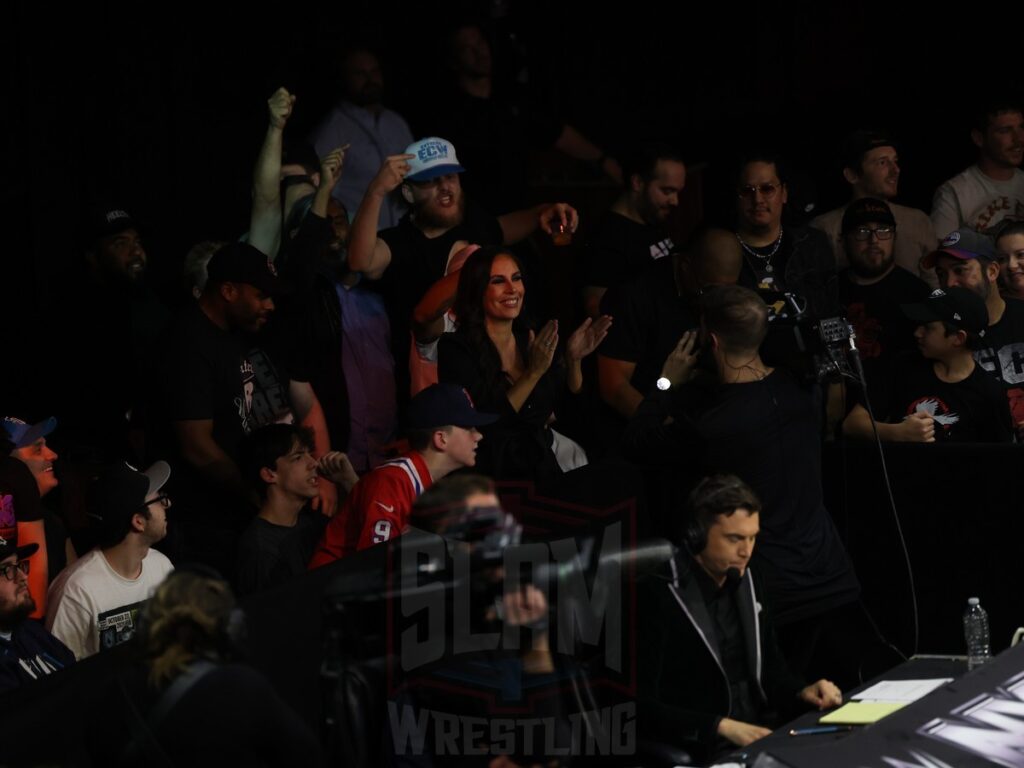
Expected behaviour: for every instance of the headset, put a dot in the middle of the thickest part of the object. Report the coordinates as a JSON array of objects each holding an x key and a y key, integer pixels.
[{"x": 713, "y": 496}]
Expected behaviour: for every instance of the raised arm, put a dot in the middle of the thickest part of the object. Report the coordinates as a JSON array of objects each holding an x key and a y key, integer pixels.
[
  {"x": 265, "y": 219},
  {"x": 367, "y": 253}
]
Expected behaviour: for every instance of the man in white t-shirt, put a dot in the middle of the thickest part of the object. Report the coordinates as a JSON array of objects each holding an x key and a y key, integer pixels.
[
  {"x": 993, "y": 189},
  {"x": 94, "y": 604}
]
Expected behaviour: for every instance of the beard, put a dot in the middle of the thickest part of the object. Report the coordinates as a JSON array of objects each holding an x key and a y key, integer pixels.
[
  {"x": 868, "y": 271},
  {"x": 441, "y": 218},
  {"x": 10, "y": 618}
]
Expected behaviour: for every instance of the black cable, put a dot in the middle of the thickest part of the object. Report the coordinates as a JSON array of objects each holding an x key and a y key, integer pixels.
[{"x": 892, "y": 501}]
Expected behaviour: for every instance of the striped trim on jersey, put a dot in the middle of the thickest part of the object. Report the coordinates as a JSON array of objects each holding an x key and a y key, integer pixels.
[{"x": 406, "y": 464}]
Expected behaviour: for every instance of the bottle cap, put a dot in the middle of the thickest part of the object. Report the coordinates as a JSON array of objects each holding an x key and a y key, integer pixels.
[{"x": 973, "y": 601}]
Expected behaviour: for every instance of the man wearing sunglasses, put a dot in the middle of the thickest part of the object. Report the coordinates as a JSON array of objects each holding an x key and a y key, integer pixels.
[
  {"x": 27, "y": 651},
  {"x": 94, "y": 604},
  {"x": 873, "y": 287}
]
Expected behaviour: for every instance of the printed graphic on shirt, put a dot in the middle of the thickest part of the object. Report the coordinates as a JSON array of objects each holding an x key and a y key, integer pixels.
[
  {"x": 40, "y": 666},
  {"x": 935, "y": 408},
  {"x": 868, "y": 330},
  {"x": 118, "y": 625},
  {"x": 264, "y": 398},
  {"x": 998, "y": 211},
  {"x": 1008, "y": 364},
  {"x": 8, "y": 520},
  {"x": 662, "y": 248}
]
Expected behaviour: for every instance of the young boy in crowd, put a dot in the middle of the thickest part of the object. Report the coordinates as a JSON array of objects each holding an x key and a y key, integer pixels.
[{"x": 941, "y": 394}]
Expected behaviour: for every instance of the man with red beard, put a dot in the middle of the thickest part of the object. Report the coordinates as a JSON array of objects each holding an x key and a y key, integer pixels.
[{"x": 409, "y": 258}]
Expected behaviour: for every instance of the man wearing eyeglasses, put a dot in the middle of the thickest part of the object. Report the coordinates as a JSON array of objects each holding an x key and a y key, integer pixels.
[
  {"x": 94, "y": 604},
  {"x": 27, "y": 651},
  {"x": 777, "y": 258},
  {"x": 871, "y": 166},
  {"x": 873, "y": 287}
]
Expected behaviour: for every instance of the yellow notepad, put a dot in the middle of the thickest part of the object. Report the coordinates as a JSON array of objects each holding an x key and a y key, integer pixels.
[{"x": 861, "y": 712}]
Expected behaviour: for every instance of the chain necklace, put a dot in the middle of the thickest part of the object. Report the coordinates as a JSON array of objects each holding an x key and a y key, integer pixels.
[{"x": 766, "y": 256}]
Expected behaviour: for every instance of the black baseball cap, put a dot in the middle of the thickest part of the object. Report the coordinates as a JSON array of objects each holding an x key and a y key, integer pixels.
[
  {"x": 867, "y": 210},
  {"x": 239, "y": 262},
  {"x": 960, "y": 307},
  {"x": 122, "y": 490},
  {"x": 9, "y": 546}
]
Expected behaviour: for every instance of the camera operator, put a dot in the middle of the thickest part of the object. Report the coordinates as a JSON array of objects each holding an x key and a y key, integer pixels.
[
  {"x": 470, "y": 693},
  {"x": 756, "y": 422}
]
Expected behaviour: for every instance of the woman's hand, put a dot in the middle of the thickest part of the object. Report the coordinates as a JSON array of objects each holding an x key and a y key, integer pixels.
[
  {"x": 587, "y": 337},
  {"x": 541, "y": 351}
]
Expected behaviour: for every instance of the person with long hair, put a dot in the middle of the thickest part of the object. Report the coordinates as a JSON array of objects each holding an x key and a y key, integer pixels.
[
  {"x": 509, "y": 369},
  {"x": 194, "y": 703}
]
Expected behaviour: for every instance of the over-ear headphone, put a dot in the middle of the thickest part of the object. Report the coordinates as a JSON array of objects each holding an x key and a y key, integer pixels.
[
  {"x": 696, "y": 535},
  {"x": 713, "y": 496}
]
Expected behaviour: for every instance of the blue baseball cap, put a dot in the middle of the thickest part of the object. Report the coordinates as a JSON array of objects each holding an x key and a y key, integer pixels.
[
  {"x": 433, "y": 157},
  {"x": 441, "y": 405},
  {"x": 22, "y": 434},
  {"x": 964, "y": 244}
]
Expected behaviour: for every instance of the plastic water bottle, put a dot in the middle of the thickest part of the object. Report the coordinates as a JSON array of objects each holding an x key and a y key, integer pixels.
[{"x": 976, "y": 634}]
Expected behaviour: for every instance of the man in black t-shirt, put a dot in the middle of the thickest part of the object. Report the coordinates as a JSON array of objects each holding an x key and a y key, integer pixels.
[
  {"x": 632, "y": 235},
  {"x": 411, "y": 257},
  {"x": 968, "y": 259},
  {"x": 942, "y": 394},
  {"x": 873, "y": 287},
  {"x": 652, "y": 312},
  {"x": 219, "y": 384},
  {"x": 756, "y": 422},
  {"x": 279, "y": 542}
]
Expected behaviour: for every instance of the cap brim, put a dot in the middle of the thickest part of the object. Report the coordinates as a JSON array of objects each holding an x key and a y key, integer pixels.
[
  {"x": 158, "y": 475},
  {"x": 929, "y": 260},
  {"x": 26, "y": 550},
  {"x": 434, "y": 171},
  {"x": 480, "y": 419}
]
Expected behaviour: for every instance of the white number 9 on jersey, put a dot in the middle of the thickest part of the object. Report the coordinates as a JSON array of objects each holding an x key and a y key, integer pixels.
[{"x": 381, "y": 531}]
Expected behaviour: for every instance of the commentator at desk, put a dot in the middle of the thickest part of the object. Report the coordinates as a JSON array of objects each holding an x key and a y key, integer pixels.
[{"x": 710, "y": 674}]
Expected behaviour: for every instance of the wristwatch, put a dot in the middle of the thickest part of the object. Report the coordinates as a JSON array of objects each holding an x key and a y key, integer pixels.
[{"x": 663, "y": 384}]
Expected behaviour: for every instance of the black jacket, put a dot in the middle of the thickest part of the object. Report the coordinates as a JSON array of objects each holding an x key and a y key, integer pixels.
[{"x": 682, "y": 688}]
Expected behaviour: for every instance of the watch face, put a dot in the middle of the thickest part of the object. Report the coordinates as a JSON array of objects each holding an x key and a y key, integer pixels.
[{"x": 663, "y": 383}]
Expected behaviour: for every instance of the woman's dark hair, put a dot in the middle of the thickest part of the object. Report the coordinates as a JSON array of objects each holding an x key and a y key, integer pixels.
[
  {"x": 469, "y": 311},
  {"x": 1007, "y": 228}
]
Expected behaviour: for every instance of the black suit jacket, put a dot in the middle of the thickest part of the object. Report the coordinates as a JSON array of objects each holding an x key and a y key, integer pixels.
[{"x": 682, "y": 688}]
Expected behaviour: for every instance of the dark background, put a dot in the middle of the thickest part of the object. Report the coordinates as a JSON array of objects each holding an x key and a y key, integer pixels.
[{"x": 162, "y": 106}]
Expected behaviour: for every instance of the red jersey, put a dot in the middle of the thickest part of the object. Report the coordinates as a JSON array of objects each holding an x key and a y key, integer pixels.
[{"x": 376, "y": 509}]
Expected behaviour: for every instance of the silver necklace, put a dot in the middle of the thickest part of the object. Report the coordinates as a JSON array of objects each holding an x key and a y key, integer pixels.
[{"x": 766, "y": 256}]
